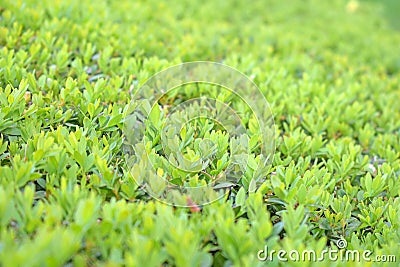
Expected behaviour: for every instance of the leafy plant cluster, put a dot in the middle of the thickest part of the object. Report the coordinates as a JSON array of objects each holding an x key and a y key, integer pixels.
[{"x": 68, "y": 70}]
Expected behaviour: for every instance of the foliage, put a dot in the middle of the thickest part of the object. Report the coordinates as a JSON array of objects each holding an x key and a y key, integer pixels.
[{"x": 329, "y": 69}]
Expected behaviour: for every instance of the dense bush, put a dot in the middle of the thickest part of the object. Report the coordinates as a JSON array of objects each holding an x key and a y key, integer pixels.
[{"x": 329, "y": 69}]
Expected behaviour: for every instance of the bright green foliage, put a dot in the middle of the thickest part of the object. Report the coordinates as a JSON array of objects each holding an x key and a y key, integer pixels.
[{"x": 329, "y": 69}]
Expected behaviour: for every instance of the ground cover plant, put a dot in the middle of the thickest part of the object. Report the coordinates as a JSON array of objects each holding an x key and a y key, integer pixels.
[{"x": 330, "y": 71}]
